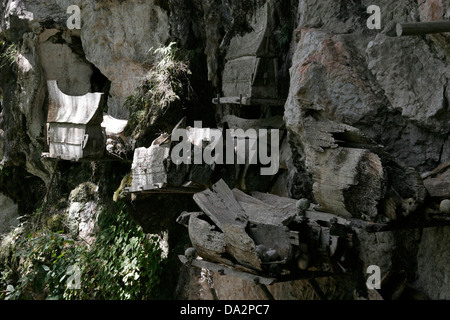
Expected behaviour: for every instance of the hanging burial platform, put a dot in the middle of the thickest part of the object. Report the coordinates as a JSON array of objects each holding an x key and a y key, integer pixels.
[
  {"x": 78, "y": 130},
  {"x": 154, "y": 169},
  {"x": 265, "y": 238}
]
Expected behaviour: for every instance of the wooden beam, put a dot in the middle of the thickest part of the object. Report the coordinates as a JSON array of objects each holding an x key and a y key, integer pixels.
[
  {"x": 248, "y": 101},
  {"x": 164, "y": 190},
  {"x": 421, "y": 28},
  {"x": 257, "y": 279},
  {"x": 221, "y": 206},
  {"x": 392, "y": 226},
  {"x": 224, "y": 270}
]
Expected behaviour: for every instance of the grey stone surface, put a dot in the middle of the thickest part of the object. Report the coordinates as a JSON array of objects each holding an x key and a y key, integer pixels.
[
  {"x": 361, "y": 83},
  {"x": 8, "y": 214},
  {"x": 433, "y": 259}
]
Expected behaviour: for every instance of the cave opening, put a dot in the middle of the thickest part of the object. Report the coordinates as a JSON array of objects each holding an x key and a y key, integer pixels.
[{"x": 100, "y": 83}]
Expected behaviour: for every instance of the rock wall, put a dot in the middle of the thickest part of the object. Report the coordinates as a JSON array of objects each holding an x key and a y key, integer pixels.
[
  {"x": 9, "y": 214},
  {"x": 356, "y": 98}
]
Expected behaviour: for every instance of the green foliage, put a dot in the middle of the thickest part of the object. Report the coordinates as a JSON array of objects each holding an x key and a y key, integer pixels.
[
  {"x": 123, "y": 263},
  {"x": 9, "y": 52},
  {"x": 43, "y": 260},
  {"x": 166, "y": 82}
]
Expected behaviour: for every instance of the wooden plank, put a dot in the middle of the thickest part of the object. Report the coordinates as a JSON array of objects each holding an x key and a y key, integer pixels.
[
  {"x": 225, "y": 270},
  {"x": 165, "y": 190},
  {"x": 233, "y": 122},
  {"x": 221, "y": 206},
  {"x": 327, "y": 217},
  {"x": 148, "y": 167},
  {"x": 249, "y": 101},
  {"x": 274, "y": 200},
  {"x": 241, "y": 246},
  {"x": 261, "y": 212},
  {"x": 227, "y": 100},
  {"x": 421, "y": 28},
  {"x": 210, "y": 244},
  {"x": 223, "y": 209},
  {"x": 237, "y": 76}
]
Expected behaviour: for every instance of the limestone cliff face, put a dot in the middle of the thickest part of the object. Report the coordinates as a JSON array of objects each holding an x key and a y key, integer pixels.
[{"x": 346, "y": 87}]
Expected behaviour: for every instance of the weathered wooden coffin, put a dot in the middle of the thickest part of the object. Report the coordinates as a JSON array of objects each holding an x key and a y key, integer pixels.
[
  {"x": 257, "y": 42},
  {"x": 69, "y": 141},
  {"x": 148, "y": 170},
  {"x": 154, "y": 171},
  {"x": 251, "y": 76},
  {"x": 261, "y": 234},
  {"x": 74, "y": 125},
  {"x": 265, "y": 238},
  {"x": 250, "y": 73}
]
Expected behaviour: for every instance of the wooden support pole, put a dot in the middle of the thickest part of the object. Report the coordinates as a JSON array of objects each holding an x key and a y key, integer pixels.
[
  {"x": 317, "y": 289},
  {"x": 225, "y": 270},
  {"x": 265, "y": 291},
  {"x": 421, "y": 28},
  {"x": 246, "y": 101}
]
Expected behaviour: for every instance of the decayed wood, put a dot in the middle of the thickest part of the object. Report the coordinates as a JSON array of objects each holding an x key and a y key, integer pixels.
[
  {"x": 348, "y": 181},
  {"x": 241, "y": 247},
  {"x": 421, "y": 28},
  {"x": 250, "y": 101},
  {"x": 209, "y": 244},
  {"x": 225, "y": 270},
  {"x": 221, "y": 206},
  {"x": 235, "y": 122},
  {"x": 267, "y": 228},
  {"x": 430, "y": 222},
  {"x": 148, "y": 168},
  {"x": 223, "y": 209},
  {"x": 251, "y": 73},
  {"x": 254, "y": 43},
  {"x": 262, "y": 212},
  {"x": 371, "y": 227},
  {"x": 274, "y": 200}
]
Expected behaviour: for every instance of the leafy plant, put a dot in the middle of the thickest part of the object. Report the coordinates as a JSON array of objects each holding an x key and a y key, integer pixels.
[
  {"x": 43, "y": 260},
  {"x": 167, "y": 81},
  {"x": 123, "y": 263},
  {"x": 8, "y": 53}
]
